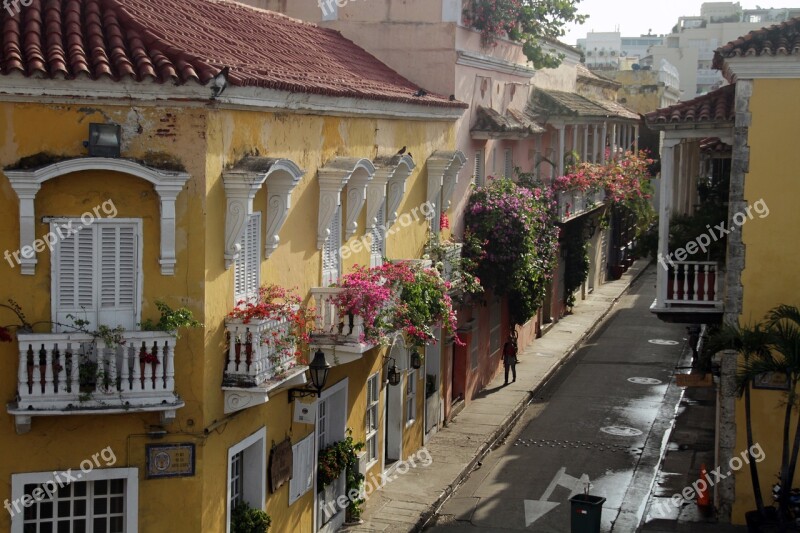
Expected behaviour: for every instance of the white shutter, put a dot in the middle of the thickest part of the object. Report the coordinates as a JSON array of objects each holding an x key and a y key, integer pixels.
[
  {"x": 330, "y": 251},
  {"x": 247, "y": 270},
  {"x": 378, "y": 244},
  {"x": 96, "y": 275},
  {"x": 508, "y": 168},
  {"x": 478, "y": 171},
  {"x": 117, "y": 249},
  {"x": 302, "y": 468},
  {"x": 73, "y": 276}
]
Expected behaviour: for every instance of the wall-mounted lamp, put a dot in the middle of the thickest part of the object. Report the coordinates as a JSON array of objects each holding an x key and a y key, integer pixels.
[
  {"x": 416, "y": 360},
  {"x": 318, "y": 369},
  {"x": 589, "y": 229},
  {"x": 104, "y": 140},
  {"x": 393, "y": 375}
]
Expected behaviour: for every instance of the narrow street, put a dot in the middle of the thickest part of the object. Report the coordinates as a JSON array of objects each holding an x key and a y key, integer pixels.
[{"x": 600, "y": 422}]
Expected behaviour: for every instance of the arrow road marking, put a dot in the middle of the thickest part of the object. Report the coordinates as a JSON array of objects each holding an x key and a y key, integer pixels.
[{"x": 536, "y": 509}]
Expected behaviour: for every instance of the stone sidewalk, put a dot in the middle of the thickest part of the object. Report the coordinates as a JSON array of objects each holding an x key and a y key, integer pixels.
[{"x": 408, "y": 501}]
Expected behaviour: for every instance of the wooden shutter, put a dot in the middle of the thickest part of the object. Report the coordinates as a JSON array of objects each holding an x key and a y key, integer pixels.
[
  {"x": 378, "y": 244},
  {"x": 96, "y": 275},
  {"x": 247, "y": 270},
  {"x": 73, "y": 276},
  {"x": 303, "y": 463},
  {"x": 330, "y": 251},
  {"x": 116, "y": 271},
  {"x": 479, "y": 169}
]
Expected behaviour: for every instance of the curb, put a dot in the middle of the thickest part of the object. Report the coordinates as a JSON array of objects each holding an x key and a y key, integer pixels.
[{"x": 510, "y": 421}]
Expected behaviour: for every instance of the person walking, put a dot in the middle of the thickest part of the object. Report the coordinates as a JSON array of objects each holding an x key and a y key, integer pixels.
[{"x": 510, "y": 358}]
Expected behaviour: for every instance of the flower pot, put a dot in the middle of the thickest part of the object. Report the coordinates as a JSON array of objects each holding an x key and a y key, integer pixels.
[{"x": 762, "y": 523}]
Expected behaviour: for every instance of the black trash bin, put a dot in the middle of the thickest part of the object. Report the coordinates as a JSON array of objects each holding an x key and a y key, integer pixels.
[{"x": 586, "y": 511}]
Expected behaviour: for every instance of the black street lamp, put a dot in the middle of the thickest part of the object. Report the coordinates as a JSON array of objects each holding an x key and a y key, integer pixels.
[
  {"x": 393, "y": 375},
  {"x": 416, "y": 360},
  {"x": 318, "y": 369}
]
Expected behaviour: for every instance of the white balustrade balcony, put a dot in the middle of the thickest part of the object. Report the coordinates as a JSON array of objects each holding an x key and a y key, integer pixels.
[
  {"x": 258, "y": 352},
  {"x": 343, "y": 333},
  {"x": 693, "y": 283},
  {"x": 572, "y": 204},
  {"x": 689, "y": 292},
  {"x": 260, "y": 362},
  {"x": 75, "y": 373}
]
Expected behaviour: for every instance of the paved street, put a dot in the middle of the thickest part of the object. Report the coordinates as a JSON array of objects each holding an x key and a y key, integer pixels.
[{"x": 600, "y": 422}]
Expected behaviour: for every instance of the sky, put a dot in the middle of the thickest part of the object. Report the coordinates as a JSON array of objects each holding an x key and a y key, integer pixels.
[{"x": 636, "y": 17}]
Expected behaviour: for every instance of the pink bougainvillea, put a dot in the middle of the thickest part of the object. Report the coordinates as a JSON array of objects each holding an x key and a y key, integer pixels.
[{"x": 397, "y": 297}]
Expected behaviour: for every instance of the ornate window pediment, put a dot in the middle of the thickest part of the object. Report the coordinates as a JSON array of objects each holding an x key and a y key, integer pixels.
[
  {"x": 242, "y": 182},
  {"x": 388, "y": 184},
  {"x": 26, "y": 183},
  {"x": 443, "y": 168},
  {"x": 355, "y": 174}
]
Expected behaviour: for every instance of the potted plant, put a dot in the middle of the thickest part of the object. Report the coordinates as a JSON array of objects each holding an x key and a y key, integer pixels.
[
  {"x": 171, "y": 320},
  {"x": 246, "y": 519},
  {"x": 339, "y": 457}
]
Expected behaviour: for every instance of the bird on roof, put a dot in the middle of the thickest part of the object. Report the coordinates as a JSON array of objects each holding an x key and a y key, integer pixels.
[
  {"x": 420, "y": 93},
  {"x": 452, "y": 98},
  {"x": 220, "y": 82},
  {"x": 401, "y": 151}
]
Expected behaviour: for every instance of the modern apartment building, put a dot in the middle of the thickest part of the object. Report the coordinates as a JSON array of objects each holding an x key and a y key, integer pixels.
[{"x": 691, "y": 44}]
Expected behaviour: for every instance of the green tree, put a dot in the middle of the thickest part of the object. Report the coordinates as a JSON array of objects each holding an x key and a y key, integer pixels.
[
  {"x": 530, "y": 22},
  {"x": 546, "y": 19}
]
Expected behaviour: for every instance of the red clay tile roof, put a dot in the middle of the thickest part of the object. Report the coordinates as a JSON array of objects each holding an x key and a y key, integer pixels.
[
  {"x": 513, "y": 123},
  {"x": 779, "y": 40},
  {"x": 550, "y": 103},
  {"x": 716, "y": 106},
  {"x": 190, "y": 41}
]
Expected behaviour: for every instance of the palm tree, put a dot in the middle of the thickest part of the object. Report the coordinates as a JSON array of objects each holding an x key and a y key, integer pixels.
[
  {"x": 783, "y": 357},
  {"x": 750, "y": 340}
]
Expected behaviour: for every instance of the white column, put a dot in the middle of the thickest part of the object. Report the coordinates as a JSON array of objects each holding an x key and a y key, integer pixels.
[
  {"x": 665, "y": 209},
  {"x": 585, "y": 156},
  {"x": 561, "y": 150},
  {"x": 596, "y": 144},
  {"x": 575, "y": 139},
  {"x": 614, "y": 143},
  {"x": 603, "y": 141},
  {"x": 636, "y": 138}
]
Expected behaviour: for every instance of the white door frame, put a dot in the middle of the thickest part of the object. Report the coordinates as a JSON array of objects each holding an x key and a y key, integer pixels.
[
  {"x": 330, "y": 391},
  {"x": 393, "y": 409}
]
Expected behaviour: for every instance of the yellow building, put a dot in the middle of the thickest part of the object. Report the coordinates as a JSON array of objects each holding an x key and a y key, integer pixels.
[
  {"x": 755, "y": 118},
  {"x": 190, "y": 152}
]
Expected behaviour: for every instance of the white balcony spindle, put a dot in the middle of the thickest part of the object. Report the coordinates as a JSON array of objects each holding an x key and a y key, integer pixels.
[{"x": 695, "y": 285}]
